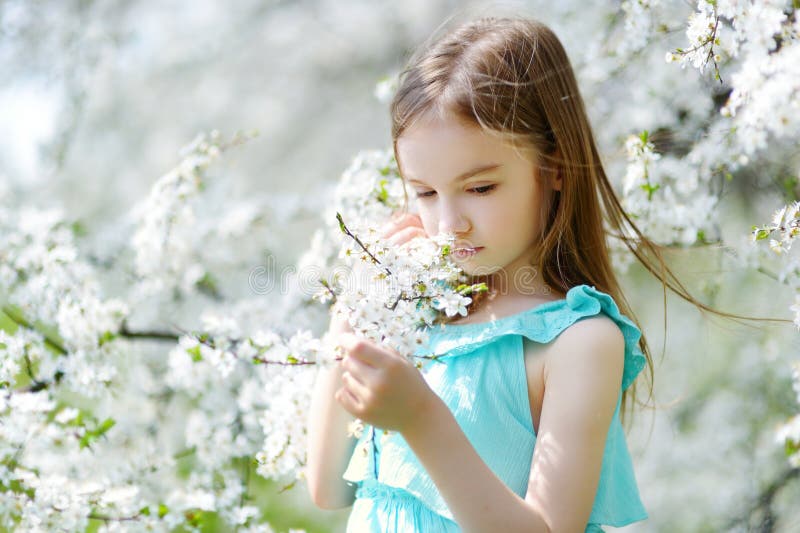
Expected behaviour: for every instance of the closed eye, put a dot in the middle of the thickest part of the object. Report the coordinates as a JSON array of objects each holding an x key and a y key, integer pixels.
[
  {"x": 483, "y": 189},
  {"x": 480, "y": 191}
]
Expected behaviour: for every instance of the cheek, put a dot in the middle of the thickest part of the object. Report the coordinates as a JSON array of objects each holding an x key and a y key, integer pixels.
[
  {"x": 429, "y": 222},
  {"x": 518, "y": 211}
]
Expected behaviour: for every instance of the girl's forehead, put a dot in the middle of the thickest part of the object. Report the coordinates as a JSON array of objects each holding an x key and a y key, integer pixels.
[{"x": 436, "y": 142}]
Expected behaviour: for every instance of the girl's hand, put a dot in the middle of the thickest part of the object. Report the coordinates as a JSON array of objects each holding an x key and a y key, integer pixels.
[
  {"x": 380, "y": 386},
  {"x": 403, "y": 229}
]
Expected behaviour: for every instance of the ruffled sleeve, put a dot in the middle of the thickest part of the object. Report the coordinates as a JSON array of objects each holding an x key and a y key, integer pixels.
[{"x": 542, "y": 324}]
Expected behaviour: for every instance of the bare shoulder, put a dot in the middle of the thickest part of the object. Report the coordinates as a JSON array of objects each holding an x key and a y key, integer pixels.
[
  {"x": 583, "y": 377},
  {"x": 593, "y": 347}
]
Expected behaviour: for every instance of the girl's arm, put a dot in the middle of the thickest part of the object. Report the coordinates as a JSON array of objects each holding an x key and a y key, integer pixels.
[
  {"x": 582, "y": 384},
  {"x": 329, "y": 446}
]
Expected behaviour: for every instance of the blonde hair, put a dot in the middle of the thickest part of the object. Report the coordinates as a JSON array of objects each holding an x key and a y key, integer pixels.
[{"x": 512, "y": 77}]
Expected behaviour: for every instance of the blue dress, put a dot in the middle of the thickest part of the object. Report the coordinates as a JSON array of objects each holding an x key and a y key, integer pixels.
[{"x": 394, "y": 492}]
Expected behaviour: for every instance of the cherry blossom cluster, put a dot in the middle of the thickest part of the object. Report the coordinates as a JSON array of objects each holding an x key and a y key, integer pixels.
[
  {"x": 639, "y": 19},
  {"x": 77, "y": 442},
  {"x": 59, "y": 355},
  {"x": 44, "y": 282},
  {"x": 166, "y": 239},
  {"x": 761, "y": 41},
  {"x": 265, "y": 376},
  {"x": 658, "y": 192},
  {"x": 781, "y": 234},
  {"x": 788, "y": 434}
]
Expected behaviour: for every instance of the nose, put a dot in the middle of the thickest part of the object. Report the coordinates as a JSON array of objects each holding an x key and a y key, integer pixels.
[{"x": 452, "y": 220}]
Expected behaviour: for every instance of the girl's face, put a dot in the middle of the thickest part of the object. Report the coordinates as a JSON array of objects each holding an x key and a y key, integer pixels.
[{"x": 479, "y": 188}]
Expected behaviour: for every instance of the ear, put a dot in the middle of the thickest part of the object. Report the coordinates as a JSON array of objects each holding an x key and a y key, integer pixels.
[
  {"x": 556, "y": 173},
  {"x": 558, "y": 181}
]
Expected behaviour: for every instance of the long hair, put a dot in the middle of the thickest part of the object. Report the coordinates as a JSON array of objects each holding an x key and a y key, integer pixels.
[{"x": 512, "y": 77}]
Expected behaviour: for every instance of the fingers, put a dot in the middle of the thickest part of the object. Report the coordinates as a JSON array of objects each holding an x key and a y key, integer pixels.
[
  {"x": 355, "y": 387},
  {"x": 354, "y": 394},
  {"x": 361, "y": 351},
  {"x": 405, "y": 235},
  {"x": 349, "y": 401},
  {"x": 404, "y": 221}
]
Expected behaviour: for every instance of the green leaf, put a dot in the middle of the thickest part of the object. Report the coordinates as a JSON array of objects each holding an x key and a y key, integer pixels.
[
  {"x": 645, "y": 134},
  {"x": 292, "y": 359},
  {"x": 162, "y": 510},
  {"x": 194, "y": 351},
  {"x": 106, "y": 337},
  {"x": 792, "y": 447},
  {"x": 207, "y": 284},
  {"x": 92, "y": 435},
  {"x": 341, "y": 223},
  {"x": 105, "y": 425},
  {"x": 650, "y": 189},
  {"x": 194, "y": 518},
  {"x": 761, "y": 233},
  {"x": 789, "y": 185},
  {"x": 79, "y": 229},
  {"x": 383, "y": 194},
  {"x": 445, "y": 250}
]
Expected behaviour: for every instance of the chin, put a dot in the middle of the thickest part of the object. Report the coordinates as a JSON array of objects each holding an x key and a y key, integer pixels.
[{"x": 480, "y": 271}]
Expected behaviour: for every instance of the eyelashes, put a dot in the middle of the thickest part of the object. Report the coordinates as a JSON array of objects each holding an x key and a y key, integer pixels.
[
  {"x": 479, "y": 191},
  {"x": 485, "y": 189}
]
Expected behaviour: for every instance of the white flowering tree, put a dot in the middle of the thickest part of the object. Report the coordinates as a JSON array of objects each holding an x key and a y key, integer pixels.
[{"x": 139, "y": 390}]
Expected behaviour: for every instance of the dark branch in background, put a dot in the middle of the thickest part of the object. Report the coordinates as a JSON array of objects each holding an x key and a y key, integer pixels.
[
  {"x": 104, "y": 518},
  {"x": 165, "y": 336},
  {"x": 49, "y": 340},
  {"x": 762, "y": 508},
  {"x": 56, "y": 345}
]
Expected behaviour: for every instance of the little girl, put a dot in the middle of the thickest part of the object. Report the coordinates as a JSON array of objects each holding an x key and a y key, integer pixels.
[{"x": 517, "y": 425}]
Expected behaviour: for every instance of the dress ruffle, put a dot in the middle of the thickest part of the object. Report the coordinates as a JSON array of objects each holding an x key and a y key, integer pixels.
[{"x": 542, "y": 324}]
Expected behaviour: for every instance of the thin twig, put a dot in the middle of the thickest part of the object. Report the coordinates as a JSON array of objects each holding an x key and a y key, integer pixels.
[{"x": 350, "y": 234}]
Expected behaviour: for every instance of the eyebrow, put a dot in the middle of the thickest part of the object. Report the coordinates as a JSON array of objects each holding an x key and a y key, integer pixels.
[{"x": 468, "y": 174}]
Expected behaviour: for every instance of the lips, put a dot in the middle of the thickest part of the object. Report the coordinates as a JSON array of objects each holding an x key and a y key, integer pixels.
[{"x": 466, "y": 252}]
